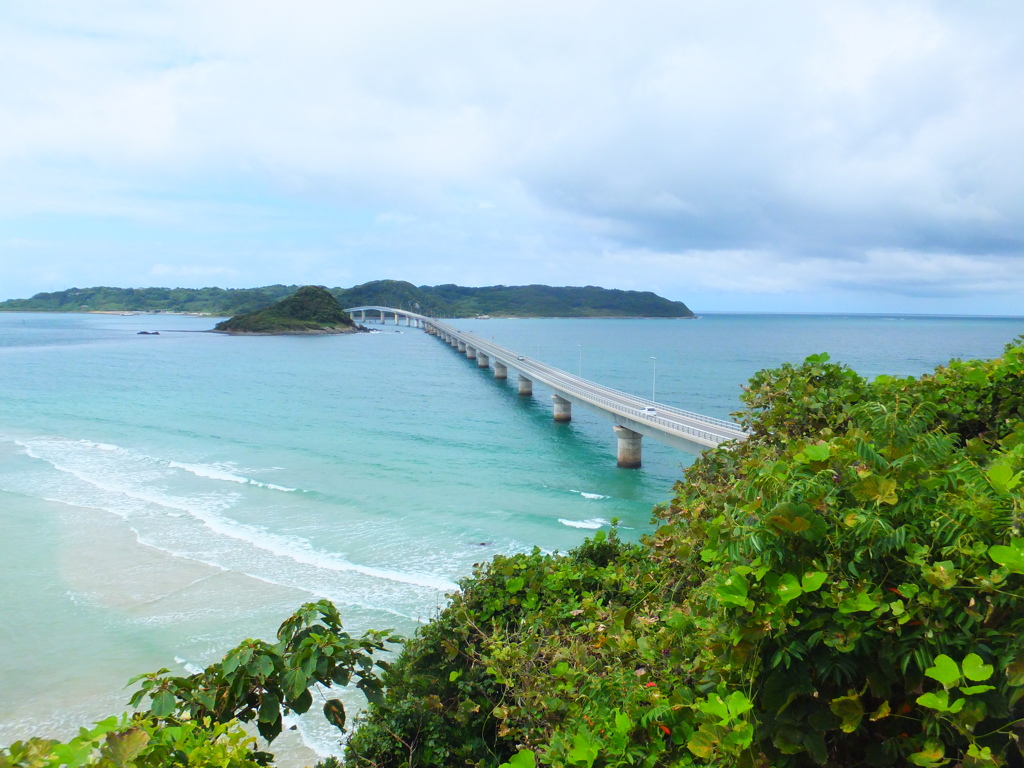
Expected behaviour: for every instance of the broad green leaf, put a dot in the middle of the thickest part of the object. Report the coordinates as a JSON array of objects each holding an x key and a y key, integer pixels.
[
  {"x": 939, "y": 700},
  {"x": 265, "y": 665},
  {"x": 584, "y": 750},
  {"x": 623, "y": 724},
  {"x": 301, "y": 703},
  {"x": 294, "y": 683},
  {"x": 970, "y": 690},
  {"x": 515, "y": 584},
  {"x": 932, "y": 756},
  {"x": 850, "y": 711},
  {"x": 790, "y": 524},
  {"x": 733, "y": 590},
  {"x": 862, "y": 601},
  {"x": 524, "y": 758},
  {"x": 908, "y": 591},
  {"x": 817, "y": 452},
  {"x": 738, "y": 704},
  {"x": 975, "y": 668},
  {"x": 865, "y": 601},
  {"x": 944, "y": 670},
  {"x": 813, "y": 580},
  {"x": 1002, "y": 478},
  {"x": 122, "y": 748},
  {"x": 163, "y": 703},
  {"x": 788, "y": 588},
  {"x": 702, "y": 744},
  {"x": 877, "y": 489},
  {"x": 334, "y": 711},
  {"x": 1010, "y": 557},
  {"x": 270, "y": 708},
  {"x": 882, "y": 712},
  {"x": 715, "y": 707},
  {"x": 942, "y": 574},
  {"x": 270, "y": 730},
  {"x": 982, "y": 756}
]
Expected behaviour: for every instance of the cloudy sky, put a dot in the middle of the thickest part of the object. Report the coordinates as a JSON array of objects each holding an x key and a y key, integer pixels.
[{"x": 794, "y": 156}]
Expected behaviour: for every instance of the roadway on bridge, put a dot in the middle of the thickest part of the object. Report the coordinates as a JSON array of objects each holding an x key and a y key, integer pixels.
[
  {"x": 655, "y": 420},
  {"x": 665, "y": 423}
]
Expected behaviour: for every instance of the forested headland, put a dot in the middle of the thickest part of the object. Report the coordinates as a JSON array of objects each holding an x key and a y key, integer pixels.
[
  {"x": 436, "y": 301},
  {"x": 844, "y": 588}
]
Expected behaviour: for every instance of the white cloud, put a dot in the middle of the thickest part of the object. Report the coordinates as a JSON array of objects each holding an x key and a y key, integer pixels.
[{"x": 737, "y": 147}]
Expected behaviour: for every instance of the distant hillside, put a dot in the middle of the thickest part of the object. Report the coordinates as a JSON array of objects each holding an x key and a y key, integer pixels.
[
  {"x": 214, "y": 301},
  {"x": 439, "y": 300},
  {"x": 311, "y": 309}
]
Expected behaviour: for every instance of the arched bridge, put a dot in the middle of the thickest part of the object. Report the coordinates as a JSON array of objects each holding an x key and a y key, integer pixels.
[{"x": 633, "y": 417}]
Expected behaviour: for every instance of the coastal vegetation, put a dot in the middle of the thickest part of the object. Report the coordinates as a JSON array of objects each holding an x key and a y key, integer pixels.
[
  {"x": 198, "y": 720},
  {"x": 438, "y": 301},
  {"x": 844, "y": 588},
  {"x": 311, "y": 309}
]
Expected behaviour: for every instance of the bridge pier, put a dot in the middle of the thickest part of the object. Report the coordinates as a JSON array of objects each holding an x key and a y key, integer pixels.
[
  {"x": 396, "y": 318},
  {"x": 563, "y": 408},
  {"x": 525, "y": 385},
  {"x": 461, "y": 345},
  {"x": 482, "y": 360},
  {"x": 629, "y": 447},
  {"x": 362, "y": 317},
  {"x": 500, "y": 370},
  {"x": 470, "y": 353}
]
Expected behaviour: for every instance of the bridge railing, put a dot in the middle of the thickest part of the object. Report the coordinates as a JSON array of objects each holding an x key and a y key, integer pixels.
[
  {"x": 711, "y": 420},
  {"x": 602, "y": 395},
  {"x": 673, "y": 426}
]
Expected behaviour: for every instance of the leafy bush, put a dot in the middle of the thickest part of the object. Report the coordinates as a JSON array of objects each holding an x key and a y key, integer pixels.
[
  {"x": 140, "y": 742},
  {"x": 197, "y": 720},
  {"x": 844, "y": 588}
]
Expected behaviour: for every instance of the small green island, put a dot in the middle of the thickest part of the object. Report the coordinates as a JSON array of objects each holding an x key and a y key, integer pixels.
[{"x": 310, "y": 310}]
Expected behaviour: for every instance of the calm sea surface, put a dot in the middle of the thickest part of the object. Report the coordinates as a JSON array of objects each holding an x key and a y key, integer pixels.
[{"x": 163, "y": 497}]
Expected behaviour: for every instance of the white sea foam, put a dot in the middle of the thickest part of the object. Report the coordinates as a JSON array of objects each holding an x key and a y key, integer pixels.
[
  {"x": 192, "y": 669},
  {"x": 586, "y": 495},
  {"x": 592, "y": 524},
  {"x": 132, "y": 487},
  {"x": 219, "y": 472}
]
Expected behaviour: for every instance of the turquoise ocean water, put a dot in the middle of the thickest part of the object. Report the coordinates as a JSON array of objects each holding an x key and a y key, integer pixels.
[{"x": 163, "y": 497}]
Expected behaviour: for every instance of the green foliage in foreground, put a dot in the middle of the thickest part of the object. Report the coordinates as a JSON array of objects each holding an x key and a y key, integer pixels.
[
  {"x": 845, "y": 588},
  {"x": 310, "y": 309},
  {"x": 197, "y": 720}
]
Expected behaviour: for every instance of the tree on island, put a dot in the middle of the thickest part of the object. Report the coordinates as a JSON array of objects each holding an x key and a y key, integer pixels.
[{"x": 311, "y": 309}]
